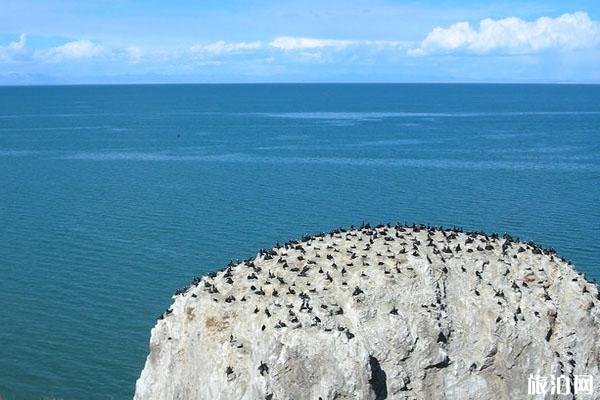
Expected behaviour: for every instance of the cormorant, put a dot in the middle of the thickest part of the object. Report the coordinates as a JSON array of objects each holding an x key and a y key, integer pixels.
[{"x": 263, "y": 368}]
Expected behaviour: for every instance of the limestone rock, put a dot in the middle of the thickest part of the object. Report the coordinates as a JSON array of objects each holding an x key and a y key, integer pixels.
[{"x": 387, "y": 312}]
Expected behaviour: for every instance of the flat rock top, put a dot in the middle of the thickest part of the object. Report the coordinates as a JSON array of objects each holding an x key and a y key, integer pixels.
[{"x": 387, "y": 312}]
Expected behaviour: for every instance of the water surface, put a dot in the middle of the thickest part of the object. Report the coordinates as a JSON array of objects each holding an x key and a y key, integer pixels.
[{"x": 111, "y": 197}]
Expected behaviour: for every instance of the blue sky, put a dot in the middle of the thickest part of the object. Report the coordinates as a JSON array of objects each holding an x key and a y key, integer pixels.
[{"x": 121, "y": 41}]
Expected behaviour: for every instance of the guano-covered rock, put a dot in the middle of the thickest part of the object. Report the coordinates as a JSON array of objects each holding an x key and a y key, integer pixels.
[{"x": 387, "y": 312}]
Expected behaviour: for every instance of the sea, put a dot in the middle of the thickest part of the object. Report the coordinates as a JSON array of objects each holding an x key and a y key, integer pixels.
[{"x": 113, "y": 197}]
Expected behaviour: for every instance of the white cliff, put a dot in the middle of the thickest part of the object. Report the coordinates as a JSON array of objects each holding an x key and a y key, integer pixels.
[{"x": 378, "y": 313}]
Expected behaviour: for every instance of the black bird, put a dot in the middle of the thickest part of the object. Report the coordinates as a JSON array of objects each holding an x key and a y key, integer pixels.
[
  {"x": 229, "y": 299},
  {"x": 280, "y": 324},
  {"x": 263, "y": 368}
]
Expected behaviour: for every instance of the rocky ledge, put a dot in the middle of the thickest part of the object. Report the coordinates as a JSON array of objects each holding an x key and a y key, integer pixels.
[{"x": 386, "y": 312}]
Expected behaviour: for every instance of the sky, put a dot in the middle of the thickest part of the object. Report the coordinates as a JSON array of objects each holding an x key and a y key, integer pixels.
[{"x": 152, "y": 41}]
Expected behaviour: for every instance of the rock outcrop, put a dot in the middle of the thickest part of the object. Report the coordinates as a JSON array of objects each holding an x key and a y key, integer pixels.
[{"x": 387, "y": 312}]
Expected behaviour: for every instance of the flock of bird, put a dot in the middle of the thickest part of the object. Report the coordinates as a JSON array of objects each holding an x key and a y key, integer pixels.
[{"x": 290, "y": 286}]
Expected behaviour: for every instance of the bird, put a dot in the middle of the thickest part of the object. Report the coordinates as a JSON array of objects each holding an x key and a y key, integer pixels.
[
  {"x": 263, "y": 368},
  {"x": 357, "y": 291}
]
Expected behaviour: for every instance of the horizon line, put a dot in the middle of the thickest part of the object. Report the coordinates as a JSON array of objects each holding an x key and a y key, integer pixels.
[{"x": 300, "y": 83}]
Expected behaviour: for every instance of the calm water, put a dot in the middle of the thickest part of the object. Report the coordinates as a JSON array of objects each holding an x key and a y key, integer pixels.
[{"x": 113, "y": 197}]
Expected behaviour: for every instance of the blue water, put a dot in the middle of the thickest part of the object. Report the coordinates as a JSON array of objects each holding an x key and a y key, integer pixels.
[{"x": 112, "y": 197}]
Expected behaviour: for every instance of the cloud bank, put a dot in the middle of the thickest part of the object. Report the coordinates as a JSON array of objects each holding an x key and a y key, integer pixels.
[
  {"x": 11, "y": 51},
  {"x": 513, "y": 36},
  {"x": 222, "y": 47},
  {"x": 563, "y": 48},
  {"x": 571, "y": 31},
  {"x": 75, "y": 50},
  {"x": 292, "y": 43}
]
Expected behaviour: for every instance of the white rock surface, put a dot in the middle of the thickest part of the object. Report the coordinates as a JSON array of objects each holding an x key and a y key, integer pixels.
[{"x": 387, "y": 312}]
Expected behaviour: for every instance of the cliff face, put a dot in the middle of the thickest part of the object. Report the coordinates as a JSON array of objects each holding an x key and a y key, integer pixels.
[{"x": 378, "y": 313}]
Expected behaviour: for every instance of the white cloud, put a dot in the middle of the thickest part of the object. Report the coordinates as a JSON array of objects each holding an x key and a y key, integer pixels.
[
  {"x": 222, "y": 47},
  {"x": 513, "y": 36},
  {"x": 134, "y": 54},
  {"x": 8, "y": 53},
  {"x": 289, "y": 43},
  {"x": 76, "y": 50},
  {"x": 292, "y": 43},
  {"x": 301, "y": 48},
  {"x": 20, "y": 44}
]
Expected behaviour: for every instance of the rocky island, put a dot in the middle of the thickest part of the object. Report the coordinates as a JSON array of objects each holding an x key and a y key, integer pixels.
[{"x": 386, "y": 312}]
